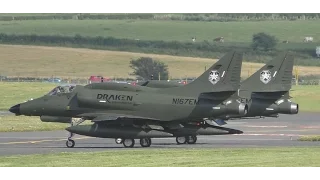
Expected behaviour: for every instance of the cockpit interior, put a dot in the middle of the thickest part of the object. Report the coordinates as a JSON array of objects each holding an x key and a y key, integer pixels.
[{"x": 61, "y": 90}]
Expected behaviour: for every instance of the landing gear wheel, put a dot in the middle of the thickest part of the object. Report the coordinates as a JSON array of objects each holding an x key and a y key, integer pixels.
[
  {"x": 70, "y": 143},
  {"x": 128, "y": 143},
  {"x": 119, "y": 140},
  {"x": 145, "y": 142},
  {"x": 181, "y": 139},
  {"x": 191, "y": 139}
]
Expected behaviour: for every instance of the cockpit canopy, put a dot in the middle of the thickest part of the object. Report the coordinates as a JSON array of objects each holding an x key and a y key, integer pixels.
[{"x": 61, "y": 90}]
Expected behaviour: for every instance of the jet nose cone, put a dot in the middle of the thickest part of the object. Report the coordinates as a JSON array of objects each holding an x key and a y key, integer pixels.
[{"x": 15, "y": 109}]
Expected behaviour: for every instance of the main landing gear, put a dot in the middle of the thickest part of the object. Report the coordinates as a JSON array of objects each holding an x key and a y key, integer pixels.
[
  {"x": 186, "y": 139},
  {"x": 146, "y": 142},
  {"x": 129, "y": 143},
  {"x": 70, "y": 143}
]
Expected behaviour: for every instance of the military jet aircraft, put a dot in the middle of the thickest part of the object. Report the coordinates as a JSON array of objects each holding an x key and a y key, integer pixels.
[
  {"x": 126, "y": 112},
  {"x": 266, "y": 92}
]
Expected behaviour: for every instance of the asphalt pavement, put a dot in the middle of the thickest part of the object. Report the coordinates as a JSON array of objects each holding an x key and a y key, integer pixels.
[{"x": 267, "y": 132}]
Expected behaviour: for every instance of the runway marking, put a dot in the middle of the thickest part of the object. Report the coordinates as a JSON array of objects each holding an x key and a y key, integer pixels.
[
  {"x": 40, "y": 141},
  {"x": 267, "y": 135},
  {"x": 30, "y": 137},
  {"x": 310, "y": 127},
  {"x": 255, "y": 139},
  {"x": 264, "y": 131},
  {"x": 267, "y": 126}
]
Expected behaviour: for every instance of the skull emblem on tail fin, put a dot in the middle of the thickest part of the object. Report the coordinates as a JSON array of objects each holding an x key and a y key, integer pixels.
[
  {"x": 214, "y": 77},
  {"x": 265, "y": 76}
]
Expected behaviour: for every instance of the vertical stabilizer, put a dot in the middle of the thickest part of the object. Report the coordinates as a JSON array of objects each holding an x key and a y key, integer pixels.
[
  {"x": 224, "y": 75},
  {"x": 275, "y": 76}
]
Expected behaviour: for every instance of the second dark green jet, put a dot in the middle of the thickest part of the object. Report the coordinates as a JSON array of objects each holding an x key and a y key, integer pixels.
[{"x": 266, "y": 92}]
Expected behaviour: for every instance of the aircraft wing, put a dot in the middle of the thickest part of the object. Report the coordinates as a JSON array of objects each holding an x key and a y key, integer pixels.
[{"x": 99, "y": 117}]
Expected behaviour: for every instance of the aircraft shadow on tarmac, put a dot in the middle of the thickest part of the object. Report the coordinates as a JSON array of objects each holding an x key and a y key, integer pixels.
[{"x": 101, "y": 145}]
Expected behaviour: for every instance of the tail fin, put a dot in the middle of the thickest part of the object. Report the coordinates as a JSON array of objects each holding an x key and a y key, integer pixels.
[
  {"x": 275, "y": 76},
  {"x": 224, "y": 75}
]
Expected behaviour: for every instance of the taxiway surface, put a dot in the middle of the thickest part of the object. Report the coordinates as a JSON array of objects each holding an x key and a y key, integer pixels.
[{"x": 267, "y": 132}]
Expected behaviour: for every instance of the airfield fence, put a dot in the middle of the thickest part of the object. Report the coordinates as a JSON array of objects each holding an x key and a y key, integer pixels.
[{"x": 301, "y": 76}]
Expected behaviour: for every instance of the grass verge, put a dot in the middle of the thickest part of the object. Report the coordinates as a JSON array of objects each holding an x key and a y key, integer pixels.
[
  {"x": 27, "y": 123},
  {"x": 308, "y": 97},
  {"x": 17, "y": 92},
  {"x": 248, "y": 157},
  {"x": 310, "y": 138}
]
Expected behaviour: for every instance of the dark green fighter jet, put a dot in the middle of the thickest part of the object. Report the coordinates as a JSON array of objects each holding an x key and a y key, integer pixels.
[
  {"x": 266, "y": 92},
  {"x": 126, "y": 112}
]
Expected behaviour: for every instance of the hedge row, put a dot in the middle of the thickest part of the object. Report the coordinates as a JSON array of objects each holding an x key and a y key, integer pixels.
[
  {"x": 185, "y": 17},
  {"x": 76, "y": 16},
  {"x": 105, "y": 42},
  {"x": 199, "y": 49},
  {"x": 38, "y": 17},
  {"x": 116, "y": 16},
  {"x": 236, "y": 17}
]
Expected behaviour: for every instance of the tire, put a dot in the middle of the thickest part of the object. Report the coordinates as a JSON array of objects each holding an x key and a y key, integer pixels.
[
  {"x": 181, "y": 139},
  {"x": 145, "y": 142},
  {"x": 70, "y": 143},
  {"x": 192, "y": 139},
  {"x": 128, "y": 143}
]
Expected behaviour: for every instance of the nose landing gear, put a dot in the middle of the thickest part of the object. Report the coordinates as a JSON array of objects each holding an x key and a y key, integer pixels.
[{"x": 70, "y": 143}]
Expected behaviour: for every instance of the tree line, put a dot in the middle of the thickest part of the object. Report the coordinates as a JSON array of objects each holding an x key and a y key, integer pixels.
[
  {"x": 261, "y": 46},
  {"x": 223, "y": 17}
]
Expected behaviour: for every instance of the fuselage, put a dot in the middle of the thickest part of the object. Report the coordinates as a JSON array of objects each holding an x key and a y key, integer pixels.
[
  {"x": 129, "y": 100},
  {"x": 261, "y": 106},
  {"x": 270, "y": 105}
]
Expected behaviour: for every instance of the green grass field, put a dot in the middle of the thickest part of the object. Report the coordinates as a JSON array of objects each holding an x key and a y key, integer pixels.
[
  {"x": 27, "y": 123},
  {"x": 294, "y": 31},
  {"x": 13, "y": 93},
  {"x": 40, "y": 61},
  {"x": 310, "y": 138},
  {"x": 33, "y": 14},
  {"x": 308, "y": 97},
  {"x": 248, "y": 157}
]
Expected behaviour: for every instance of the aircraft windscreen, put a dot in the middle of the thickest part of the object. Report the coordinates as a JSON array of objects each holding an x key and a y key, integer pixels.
[{"x": 61, "y": 90}]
